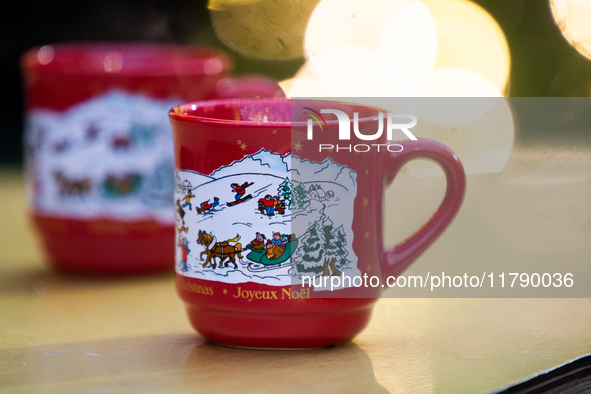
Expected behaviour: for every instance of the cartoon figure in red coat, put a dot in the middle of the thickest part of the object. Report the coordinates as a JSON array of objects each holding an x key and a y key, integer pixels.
[
  {"x": 206, "y": 206},
  {"x": 267, "y": 205},
  {"x": 239, "y": 189},
  {"x": 184, "y": 244}
]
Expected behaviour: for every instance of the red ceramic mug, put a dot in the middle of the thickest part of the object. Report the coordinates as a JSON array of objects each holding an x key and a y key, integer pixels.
[
  {"x": 262, "y": 201},
  {"x": 99, "y": 160}
]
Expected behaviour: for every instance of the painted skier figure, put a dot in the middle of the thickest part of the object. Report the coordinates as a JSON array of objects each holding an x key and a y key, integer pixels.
[
  {"x": 188, "y": 192},
  {"x": 239, "y": 189}
]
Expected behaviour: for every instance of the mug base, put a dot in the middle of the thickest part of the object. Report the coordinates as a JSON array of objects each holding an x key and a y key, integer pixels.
[
  {"x": 296, "y": 331},
  {"x": 268, "y": 348},
  {"x": 282, "y": 349}
]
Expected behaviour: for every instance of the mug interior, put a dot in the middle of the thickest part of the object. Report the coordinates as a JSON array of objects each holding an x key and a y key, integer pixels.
[
  {"x": 124, "y": 58},
  {"x": 277, "y": 112}
]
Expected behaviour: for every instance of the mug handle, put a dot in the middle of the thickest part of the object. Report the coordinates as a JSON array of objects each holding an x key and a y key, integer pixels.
[
  {"x": 400, "y": 257},
  {"x": 250, "y": 86}
]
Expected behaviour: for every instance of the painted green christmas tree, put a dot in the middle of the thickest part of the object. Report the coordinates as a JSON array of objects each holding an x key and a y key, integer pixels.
[
  {"x": 312, "y": 245},
  {"x": 301, "y": 196},
  {"x": 335, "y": 242},
  {"x": 310, "y": 252},
  {"x": 329, "y": 238},
  {"x": 284, "y": 192},
  {"x": 341, "y": 243}
]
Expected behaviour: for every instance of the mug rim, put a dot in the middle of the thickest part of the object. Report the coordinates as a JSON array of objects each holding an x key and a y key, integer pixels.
[
  {"x": 182, "y": 111},
  {"x": 143, "y": 59}
]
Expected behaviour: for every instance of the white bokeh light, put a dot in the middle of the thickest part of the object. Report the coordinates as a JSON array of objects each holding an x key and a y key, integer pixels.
[
  {"x": 480, "y": 130},
  {"x": 409, "y": 48},
  {"x": 469, "y": 38},
  {"x": 375, "y": 47},
  {"x": 573, "y": 18},
  {"x": 412, "y": 48}
]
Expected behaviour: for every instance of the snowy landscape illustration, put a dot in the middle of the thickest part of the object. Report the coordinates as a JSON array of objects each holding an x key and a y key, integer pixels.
[
  {"x": 110, "y": 156},
  {"x": 267, "y": 219}
]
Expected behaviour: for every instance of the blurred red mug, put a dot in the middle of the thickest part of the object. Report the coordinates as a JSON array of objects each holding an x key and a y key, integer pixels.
[
  {"x": 99, "y": 159},
  {"x": 266, "y": 211}
]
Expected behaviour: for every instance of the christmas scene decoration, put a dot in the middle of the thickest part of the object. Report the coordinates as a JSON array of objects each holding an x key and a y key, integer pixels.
[
  {"x": 267, "y": 218},
  {"x": 110, "y": 156}
]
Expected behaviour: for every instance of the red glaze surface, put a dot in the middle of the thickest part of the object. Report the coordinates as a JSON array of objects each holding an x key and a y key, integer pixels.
[
  {"x": 106, "y": 247},
  {"x": 76, "y": 72},
  {"x": 206, "y": 136}
]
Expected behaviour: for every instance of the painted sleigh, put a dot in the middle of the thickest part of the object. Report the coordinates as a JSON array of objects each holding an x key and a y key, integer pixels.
[{"x": 260, "y": 260}]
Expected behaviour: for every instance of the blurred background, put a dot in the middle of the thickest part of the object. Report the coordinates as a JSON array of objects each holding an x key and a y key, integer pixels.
[{"x": 267, "y": 37}]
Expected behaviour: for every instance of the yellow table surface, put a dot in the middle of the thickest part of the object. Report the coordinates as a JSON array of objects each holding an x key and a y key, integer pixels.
[{"x": 62, "y": 334}]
